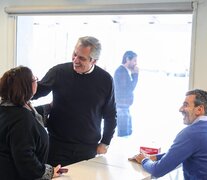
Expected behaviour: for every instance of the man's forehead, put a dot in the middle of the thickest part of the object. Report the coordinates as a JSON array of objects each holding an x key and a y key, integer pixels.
[
  {"x": 190, "y": 98},
  {"x": 82, "y": 47}
]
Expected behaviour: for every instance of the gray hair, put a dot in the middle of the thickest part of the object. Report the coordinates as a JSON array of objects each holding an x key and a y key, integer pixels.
[
  {"x": 93, "y": 43},
  {"x": 200, "y": 98}
]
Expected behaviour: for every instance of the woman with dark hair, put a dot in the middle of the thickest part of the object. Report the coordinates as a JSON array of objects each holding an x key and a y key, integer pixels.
[{"x": 23, "y": 139}]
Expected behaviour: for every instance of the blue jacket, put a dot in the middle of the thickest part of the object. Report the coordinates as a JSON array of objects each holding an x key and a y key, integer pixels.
[{"x": 124, "y": 86}]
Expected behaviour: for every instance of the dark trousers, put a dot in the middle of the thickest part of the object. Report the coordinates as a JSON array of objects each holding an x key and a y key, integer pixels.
[
  {"x": 65, "y": 153},
  {"x": 124, "y": 122}
]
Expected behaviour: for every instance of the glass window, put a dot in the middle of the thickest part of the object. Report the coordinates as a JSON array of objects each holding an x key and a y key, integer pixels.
[{"x": 162, "y": 43}]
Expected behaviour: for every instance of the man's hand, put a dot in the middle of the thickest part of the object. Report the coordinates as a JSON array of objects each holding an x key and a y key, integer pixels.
[
  {"x": 135, "y": 70},
  {"x": 139, "y": 157},
  {"x": 102, "y": 148}
]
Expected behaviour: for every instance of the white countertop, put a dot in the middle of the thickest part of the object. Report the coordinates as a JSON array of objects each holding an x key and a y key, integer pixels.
[{"x": 105, "y": 167}]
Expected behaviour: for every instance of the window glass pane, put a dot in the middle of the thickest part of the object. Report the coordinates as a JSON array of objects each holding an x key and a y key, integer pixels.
[{"x": 162, "y": 43}]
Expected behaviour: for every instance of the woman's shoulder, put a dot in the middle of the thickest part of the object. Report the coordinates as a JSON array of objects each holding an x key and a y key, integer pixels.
[{"x": 21, "y": 115}]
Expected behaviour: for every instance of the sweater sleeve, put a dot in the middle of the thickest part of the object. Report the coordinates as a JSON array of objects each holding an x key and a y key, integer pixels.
[
  {"x": 46, "y": 84},
  {"x": 134, "y": 80},
  {"x": 180, "y": 150},
  {"x": 109, "y": 117}
]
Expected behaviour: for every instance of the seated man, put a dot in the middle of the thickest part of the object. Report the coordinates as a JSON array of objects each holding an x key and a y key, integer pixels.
[{"x": 189, "y": 146}]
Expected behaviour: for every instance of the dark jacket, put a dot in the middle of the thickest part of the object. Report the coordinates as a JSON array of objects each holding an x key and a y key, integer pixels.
[
  {"x": 23, "y": 144},
  {"x": 124, "y": 86}
]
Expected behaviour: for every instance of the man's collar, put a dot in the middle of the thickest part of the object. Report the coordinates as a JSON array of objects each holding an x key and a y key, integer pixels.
[
  {"x": 89, "y": 71},
  {"x": 200, "y": 118}
]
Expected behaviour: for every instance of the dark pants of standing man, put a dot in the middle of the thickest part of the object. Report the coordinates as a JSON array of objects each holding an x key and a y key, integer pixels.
[{"x": 65, "y": 153}]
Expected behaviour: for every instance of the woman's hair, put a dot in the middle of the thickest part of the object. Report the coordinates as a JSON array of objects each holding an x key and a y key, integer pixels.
[{"x": 16, "y": 85}]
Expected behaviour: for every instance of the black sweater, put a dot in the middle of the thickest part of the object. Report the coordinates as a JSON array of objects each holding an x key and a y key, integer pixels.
[
  {"x": 80, "y": 101},
  {"x": 23, "y": 145}
]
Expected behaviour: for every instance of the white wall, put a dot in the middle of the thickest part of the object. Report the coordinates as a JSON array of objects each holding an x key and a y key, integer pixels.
[{"x": 199, "y": 74}]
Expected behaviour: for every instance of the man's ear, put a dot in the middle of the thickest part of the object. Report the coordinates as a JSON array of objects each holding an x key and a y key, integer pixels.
[
  {"x": 201, "y": 110},
  {"x": 93, "y": 61}
]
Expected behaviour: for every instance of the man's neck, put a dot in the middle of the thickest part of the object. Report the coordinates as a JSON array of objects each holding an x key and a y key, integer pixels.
[{"x": 89, "y": 71}]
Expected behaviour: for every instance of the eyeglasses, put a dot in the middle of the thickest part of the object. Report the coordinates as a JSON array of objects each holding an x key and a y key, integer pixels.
[{"x": 35, "y": 79}]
